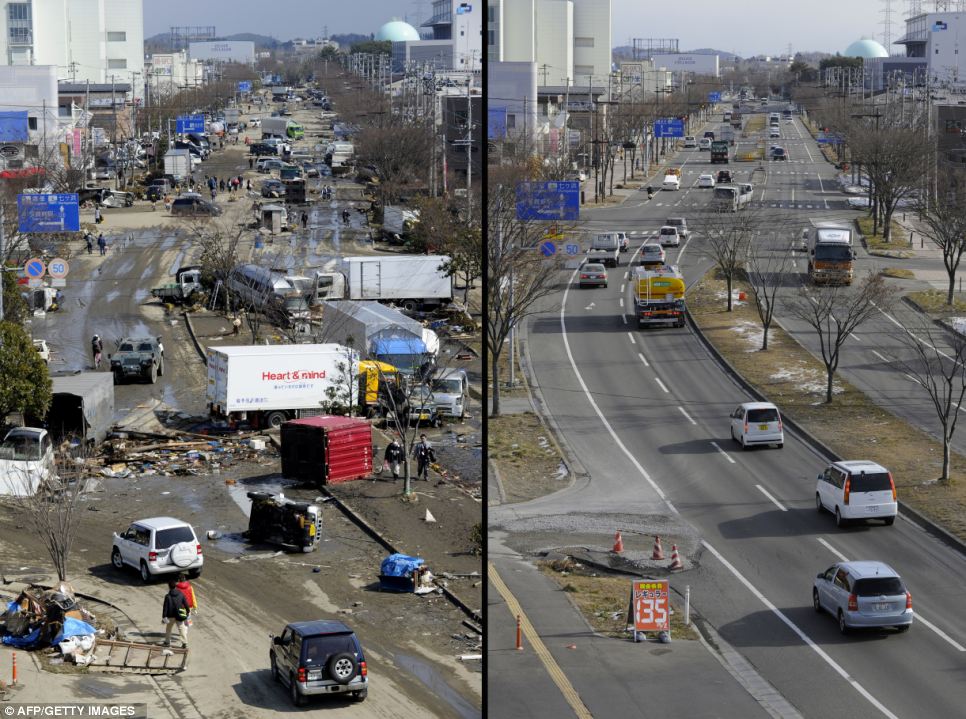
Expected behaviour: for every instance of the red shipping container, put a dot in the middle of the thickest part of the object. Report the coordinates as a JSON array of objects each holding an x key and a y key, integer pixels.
[{"x": 326, "y": 449}]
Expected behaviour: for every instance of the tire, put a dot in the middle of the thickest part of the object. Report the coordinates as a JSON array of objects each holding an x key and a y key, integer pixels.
[
  {"x": 360, "y": 696},
  {"x": 744, "y": 447},
  {"x": 116, "y": 559},
  {"x": 816, "y": 604},
  {"x": 889, "y": 521},
  {"x": 145, "y": 572},
  {"x": 781, "y": 445},
  {"x": 342, "y": 667},
  {"x": 903, "y": 628},
  {"x": 843, "y": 627},
  {"x": 194, "y": 573},
  {"x": 275, "y": 675},
  {"x": 274, "y": 420},
  {"x": 839, "y": 520},
  {"x": 818, "y": 503},
  {"x": 153, "y": 375},
  {"x": 161, "y": 368},
  {"x": 118, "y": 378},
  {"x": 297, "y": 698},
  {"x": 410, "y": 305}
]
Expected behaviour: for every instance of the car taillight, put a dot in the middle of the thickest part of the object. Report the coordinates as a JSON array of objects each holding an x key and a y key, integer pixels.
[
  {"x": 779, "y": 424},
  {"x": 847, "y": 489},
  {"x": 199, "y": 549},
  {"x": 893, "y": 485},
  {"x": 853, "y": 603},
  {"x": 363, "y": 671},
  {"x": 152, "y": 556},
  {"x": 303, "y": 675},
  {"x": 584, "y": 277},
  {"x": 908, "y": 600},
  {"x": 746, "y": 426}
]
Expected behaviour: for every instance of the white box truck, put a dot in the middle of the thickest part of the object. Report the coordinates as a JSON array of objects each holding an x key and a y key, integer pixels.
[
  {"x": 177, "y": 164},
  {"x": 267, "y": 385}
]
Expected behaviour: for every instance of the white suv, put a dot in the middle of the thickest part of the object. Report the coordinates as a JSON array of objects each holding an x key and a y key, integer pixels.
[
  {"x": 160, "y": 545},
  {"x": 857, "y": 489}
]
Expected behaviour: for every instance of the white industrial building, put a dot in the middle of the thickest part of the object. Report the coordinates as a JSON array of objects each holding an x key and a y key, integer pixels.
[
  {"x": 937, "y": 38},
  {"x": 169, "y": 73},
  {"x": 569, "y": 40},
  {"x": 242, "y": 51},
  {"x": 86, "y": 40},
  {"x": 32, "y": 89}
]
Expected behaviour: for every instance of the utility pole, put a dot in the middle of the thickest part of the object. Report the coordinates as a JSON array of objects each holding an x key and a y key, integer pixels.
[{"x": 469, "y": 153}]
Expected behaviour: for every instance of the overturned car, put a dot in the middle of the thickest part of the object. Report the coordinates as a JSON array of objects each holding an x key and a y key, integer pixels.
[{"x": 296, "y": 526}]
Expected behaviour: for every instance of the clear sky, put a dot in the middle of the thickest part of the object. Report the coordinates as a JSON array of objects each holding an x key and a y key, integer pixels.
[
  {"x": 282, "y": 19},
  {"x": 756, "y": 27}
]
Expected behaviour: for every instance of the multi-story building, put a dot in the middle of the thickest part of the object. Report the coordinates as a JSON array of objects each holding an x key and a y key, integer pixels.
[
  {"x": 934, "y": 38},
  {"x": 169, "y": 73},
  {"x": 87, "y": 40}
]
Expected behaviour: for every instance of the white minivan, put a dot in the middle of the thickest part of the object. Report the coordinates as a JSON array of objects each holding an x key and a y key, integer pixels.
[
  {"x": 857, "y": 489},
  {"x": 757, "y": 423},
  {"x": 689, "y": 141},
  {"x": 671, "y": 182}
]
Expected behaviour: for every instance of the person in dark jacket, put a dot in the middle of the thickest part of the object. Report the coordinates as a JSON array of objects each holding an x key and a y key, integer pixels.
[
  {"x": 425, "y": 455},
  {"x": 175, "y": 611},
  {"x": 394, "y": 457}
]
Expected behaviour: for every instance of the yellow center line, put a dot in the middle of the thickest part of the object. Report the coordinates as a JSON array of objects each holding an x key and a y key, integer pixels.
[{"x": 553, "y": 669}]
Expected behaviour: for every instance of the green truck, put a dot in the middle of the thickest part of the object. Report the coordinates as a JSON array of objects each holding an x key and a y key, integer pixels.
[{"x": 719, "y": 151}]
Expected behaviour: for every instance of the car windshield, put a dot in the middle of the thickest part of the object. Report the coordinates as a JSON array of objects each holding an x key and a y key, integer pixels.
[
  {"x": 23, "y": 448},
  {"x": 833, "y": 252},
  {"x": 145, "y": 347},
  {"x": 767, "y": 414},
  {"x": 870, "y": 482},
  {"x": 668, "y": 231},
  {"x": 175, "y": 535},
  {"x": 126, "y": 347},
  {"x": 593, "y": 268},
  {"x": 724, "y": 193},
  {"x": 876, "y": 586},
  {"x": 319, "y": 649},
  {"x": 448, "y": 386}
]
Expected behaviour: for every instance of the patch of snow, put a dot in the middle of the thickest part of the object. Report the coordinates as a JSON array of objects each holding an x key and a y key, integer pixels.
[
  {"x": 811, "y": 381},
  {"x": 958, "y": 323},
  {"x": 751, "y": 332}
]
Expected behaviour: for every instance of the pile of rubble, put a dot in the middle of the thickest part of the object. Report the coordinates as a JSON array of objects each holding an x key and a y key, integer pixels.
[{"x": 134, "y": 454}]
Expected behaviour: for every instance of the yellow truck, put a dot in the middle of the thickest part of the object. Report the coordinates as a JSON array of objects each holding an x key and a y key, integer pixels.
[
  {"x": 659, "y": 296},
  {"x": 375, "y": 378}
]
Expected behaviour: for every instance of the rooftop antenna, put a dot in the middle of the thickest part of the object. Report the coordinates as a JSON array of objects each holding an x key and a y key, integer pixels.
[{"x": 886, "y": 24}]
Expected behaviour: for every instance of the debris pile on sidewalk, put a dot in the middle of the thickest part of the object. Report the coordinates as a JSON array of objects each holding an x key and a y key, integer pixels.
[
  {"x": 41, "y": 617},
  {"x": 127, "y": 456}
]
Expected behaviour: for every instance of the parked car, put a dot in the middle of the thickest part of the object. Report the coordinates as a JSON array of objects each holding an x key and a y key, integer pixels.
[
  {"x": 757, "y": 423},
  {"x": 592, "y": 274},
  {"x": 159, "y": 545},
  {"x": 262, "y": 148},
  {"x": 857, "y": 489},
  {"x": 43, "y": 350},
  {"x": 863, "y": 594},
  {"x": 194, "y": 206},
  {"x": 266, "y": 166},
  {"x": 706, "y": 181},
  {"x": 273, "y": 188},
  {"x": 319, "y": 657}
]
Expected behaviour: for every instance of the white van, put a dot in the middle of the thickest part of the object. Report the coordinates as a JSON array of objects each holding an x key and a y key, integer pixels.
[
  {"x": 857, "y": 489},
  {"x": 671, "y": 182},
  {"x": 689, "y": 141},
  {"x": 704, "y": 143}
]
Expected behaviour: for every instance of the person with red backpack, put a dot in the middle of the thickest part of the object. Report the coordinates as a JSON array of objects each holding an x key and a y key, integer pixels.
[{"x": 184, "y": 586}]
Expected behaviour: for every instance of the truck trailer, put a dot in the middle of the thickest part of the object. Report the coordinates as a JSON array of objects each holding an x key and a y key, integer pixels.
[
  {"x": 177, "y": 164},
  {"x": 266, "y": 385}
]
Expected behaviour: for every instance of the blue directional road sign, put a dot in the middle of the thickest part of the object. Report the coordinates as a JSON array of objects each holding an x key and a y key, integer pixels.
[
  {"x": 548, "y": 248},
  {"x": 714, "y": 97},
  {"x": 190, "y": 123},
  {"x": 671, "y": 127},
  {"x": 244, "y": 86},
  {"x": 48, "y": 213},
  {"x": 548, "y": 201},
  {"x": 572, "y": 249}
]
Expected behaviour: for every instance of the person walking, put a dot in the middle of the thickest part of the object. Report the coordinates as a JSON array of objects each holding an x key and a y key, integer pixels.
[
  {"x": 214, "y": 194},
  {"x": 174, "y": 611},
  {"x": 345, "y": 216},
  {"x": 102, "y": 244},
  {"x": 97, "y": 216},
  {"x": 425, "y": 455},
  {"x": 97, "y": 349},
  {"x": 89, "y": 239},
  {"x": 221, "y": 185},
  {"x": 184, "y": 586},
  {"x": 248, "y": 185},
  {"x": 305, "y": 219},
  {"x": 251, "y": 163},
  {"x": 393, "y": 457},
  {"x": 236, "y": 326}
]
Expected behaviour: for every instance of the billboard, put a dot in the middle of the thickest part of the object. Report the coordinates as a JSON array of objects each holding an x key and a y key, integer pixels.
[
  {"x": 13, "y": 126},
  {"x": 688, "y": 62},
  {"x": 223, "y": 51},
  {"x": 632, "y": 75}
]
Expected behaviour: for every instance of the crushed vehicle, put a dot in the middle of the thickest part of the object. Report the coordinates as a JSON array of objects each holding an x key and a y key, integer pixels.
[
  {"x": 26, "y": 461},
  {"x": 138, "y": 358},
  {"x": 275, "y": 519}
]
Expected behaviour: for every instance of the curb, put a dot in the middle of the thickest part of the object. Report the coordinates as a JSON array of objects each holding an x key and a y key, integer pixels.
[
  {"x": 499, "y": 482},
  {"x": 936, "y": 321},
  {"x": 907, "y": 512},
  {"x": 374, "y": 533},
  {"x": 194, "y": 337}
]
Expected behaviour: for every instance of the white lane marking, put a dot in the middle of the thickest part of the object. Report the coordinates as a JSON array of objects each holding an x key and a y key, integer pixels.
[
  {"x": 884, "y": 359},
  {"x": 643, "y": 359},
  {"x": 593, "y": 403},
  {"x": 911, "y": 378},
  {"x": 687, "y": 415},
  {"x": 658, "y": 380},
  {"x": 622, "y": 301},
  {"x": 633, "y": 341},
  {"x": 801, "y": 635},
  {"x": 726, "y": 455},
  {"x": 622, "y": 287},
  {"x": 624, "y": 317},
  {"x": 774, "y": 501},
  {"x": 918, "y": 339},
  {"x": 855, "y": 337},
  {"x": 939, "y": 632},
  {"x": 590, "y": 306},
  {"x": 821, "y": 187},
  {"x": 833, "y": 550}
]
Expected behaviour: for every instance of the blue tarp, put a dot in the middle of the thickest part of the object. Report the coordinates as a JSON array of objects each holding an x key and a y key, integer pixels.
[
  {"x": 13, "y": 126},
  {"x": 399, "y": 565},
  {"x": 21, "y": 642},
  {"x": 73, "y": 628},
  {"x": 399, "y": 346}
]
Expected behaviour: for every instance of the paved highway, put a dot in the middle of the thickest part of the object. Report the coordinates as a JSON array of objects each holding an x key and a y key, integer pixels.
[{"x": 645, "y": 412}]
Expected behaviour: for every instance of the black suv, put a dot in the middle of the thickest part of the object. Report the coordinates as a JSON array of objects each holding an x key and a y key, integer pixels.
[
  {"x": 261, "y": 148},
  {"x": 320, "y": 657}
]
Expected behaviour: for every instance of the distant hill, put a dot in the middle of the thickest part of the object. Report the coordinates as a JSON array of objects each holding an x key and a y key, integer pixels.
[
  {"x": 162, "y": 41},
  {"x": 625, "y": 52}
]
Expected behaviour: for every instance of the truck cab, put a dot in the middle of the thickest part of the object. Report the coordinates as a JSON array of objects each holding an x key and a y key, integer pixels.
[
  {"x": 187, "y": 283},
  {"x": 831, "y": 258},
  {"x": 451, "y": 391}
]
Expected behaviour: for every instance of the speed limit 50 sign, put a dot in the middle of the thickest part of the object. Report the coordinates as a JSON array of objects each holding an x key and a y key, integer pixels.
[{"x": 650, "y": 608}]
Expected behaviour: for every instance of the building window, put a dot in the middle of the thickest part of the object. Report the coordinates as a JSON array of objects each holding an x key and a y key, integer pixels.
[
  {"x": 583, "y": 42},
  {"x": 117, "y": 64},
  {"x": 511, "y": 121},
  {"x": 20, "y": 36},
  {"x": 31, "y": 123},
  {"x": 18, "y": 11},
  {"x": 117, "y": 37},
  {"x": 491, "y": 37}
]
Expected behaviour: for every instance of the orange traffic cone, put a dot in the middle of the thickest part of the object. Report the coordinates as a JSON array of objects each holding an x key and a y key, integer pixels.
[
  {"x": 618, "y": 543},
  {"x": 676, "y": 562},
  {"x": 658, "y": 552}
]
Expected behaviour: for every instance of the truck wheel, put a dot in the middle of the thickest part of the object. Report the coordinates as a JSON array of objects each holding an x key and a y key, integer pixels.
[
  {"x": 153, "y": 375},
  {"x": 275, "y": 419},
  {"x": 118, "y": 377},
  {"x": 410, "y": 305},
  {"x": 161, "y": 368}
]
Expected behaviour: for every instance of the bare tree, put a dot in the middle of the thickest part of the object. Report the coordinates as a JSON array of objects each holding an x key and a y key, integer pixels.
[
  {"x": 941, "y": 373},
  {"x": 517, "y": 274},
  {"x": 835, "y": 312},
  {"x": 767, "y": 270},
  {"x": 729, "y": 238},
  {"x": 945, "y": 223}
]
